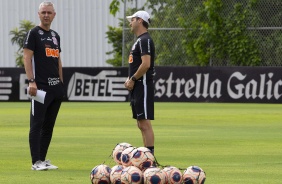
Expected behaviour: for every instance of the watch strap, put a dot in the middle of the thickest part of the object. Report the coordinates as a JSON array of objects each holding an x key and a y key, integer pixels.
[{"x": 31, "y": 80}]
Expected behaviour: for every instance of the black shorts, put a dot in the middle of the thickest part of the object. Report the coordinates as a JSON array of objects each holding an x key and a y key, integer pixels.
[{"x": 142, "y": 100}]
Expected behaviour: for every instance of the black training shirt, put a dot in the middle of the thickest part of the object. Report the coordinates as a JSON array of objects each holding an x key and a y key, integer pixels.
[
  {"x": 46, "y": 48},
  {"x": 144, "y": 45}
]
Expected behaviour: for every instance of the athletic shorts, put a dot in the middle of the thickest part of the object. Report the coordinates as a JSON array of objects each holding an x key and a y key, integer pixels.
[{"x": 142, "y": 100}]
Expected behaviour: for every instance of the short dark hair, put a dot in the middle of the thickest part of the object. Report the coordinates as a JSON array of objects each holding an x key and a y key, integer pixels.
[{"x": 145, "y": 24}]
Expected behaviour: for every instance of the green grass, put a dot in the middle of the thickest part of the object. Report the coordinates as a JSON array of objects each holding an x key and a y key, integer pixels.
[{"x": 233, "y": 143}]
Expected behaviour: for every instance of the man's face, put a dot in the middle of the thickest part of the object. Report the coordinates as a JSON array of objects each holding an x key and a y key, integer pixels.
[
  {"x": 134, "y": 23},
  {"x": 46, "y": 15}
]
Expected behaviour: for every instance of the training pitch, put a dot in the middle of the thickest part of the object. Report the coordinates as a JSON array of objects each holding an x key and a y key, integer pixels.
[{"x": 232, "y": 143}]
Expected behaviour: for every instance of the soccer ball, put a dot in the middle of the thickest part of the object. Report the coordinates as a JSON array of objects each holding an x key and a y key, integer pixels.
[
  {"x": 100, "y": 174},
  {"x": 115, "y": 174},
  {"x": 174, "y": 175},
  {"x": 126, "y": 156},
  {"x": 131, "y": 175},
  {"x": 154, "y": 175},
  {"x": 118, "y": 150},
  {"x": 142, "y": 158},
  {"x": 194, "y": 175}
]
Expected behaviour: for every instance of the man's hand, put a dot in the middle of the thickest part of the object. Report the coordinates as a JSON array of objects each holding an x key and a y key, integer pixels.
[
  {"x": 129, "y": 84},
  {"x": 32, "y": 89}
]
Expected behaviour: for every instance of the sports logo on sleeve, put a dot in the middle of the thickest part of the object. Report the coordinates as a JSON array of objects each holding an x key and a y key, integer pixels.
[
  {"x": 130, "y": 58},
  {"x": 27, "y": 37},
  {"x": 53, "y": 33},
  {"x": 149, "y": 48},
  {"x": 55, "y": 40},
  {"x": 40, "y": 32}
]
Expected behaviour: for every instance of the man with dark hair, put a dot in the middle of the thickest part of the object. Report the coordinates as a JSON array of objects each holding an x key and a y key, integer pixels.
[
  {"x": 43, "y": 68},
  {"x": 141, "y": 75}
]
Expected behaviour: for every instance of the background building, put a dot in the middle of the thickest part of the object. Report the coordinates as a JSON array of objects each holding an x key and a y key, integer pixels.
[{"x": 81, "y": 24}]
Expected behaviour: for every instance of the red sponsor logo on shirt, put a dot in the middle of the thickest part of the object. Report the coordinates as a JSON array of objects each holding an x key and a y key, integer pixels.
[{"x": 52, "y": 52}]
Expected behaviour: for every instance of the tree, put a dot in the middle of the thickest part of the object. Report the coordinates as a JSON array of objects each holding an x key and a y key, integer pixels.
[
  {"x": 215, "y": 35},
  {"x": 18, "y": 36},
  {"x": 170, "y": 49},
  {"x": 216, "y": 32},
  {"x": 270, "y": 15},
  {"x": 166, "y": 54},
  {"x": 114, "y": 36}
]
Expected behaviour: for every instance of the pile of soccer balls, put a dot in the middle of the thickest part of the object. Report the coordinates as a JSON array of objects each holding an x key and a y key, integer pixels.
[{"x": 137, "y": 165}]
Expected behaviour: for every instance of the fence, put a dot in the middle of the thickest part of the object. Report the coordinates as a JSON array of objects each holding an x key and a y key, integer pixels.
[{"x": 263, "y": 22}]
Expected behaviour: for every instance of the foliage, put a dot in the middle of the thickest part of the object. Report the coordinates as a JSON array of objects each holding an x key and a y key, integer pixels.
[
  {"x": 203, "y": 32},
  {"x": 168, "y": 42},
  {"x": 269, "y": 15},
  {"x": 216, "y": 32},
  {"x": 213, "y": 35},
  {"x": 114, "y": 36},
  {"x": 18, "y": 36},
  {"x": 165, "y": 53},
  {"x": 241, "y": 48},
  {"x": 114, "y": 7},
  {"x": 273, "y": 47}
]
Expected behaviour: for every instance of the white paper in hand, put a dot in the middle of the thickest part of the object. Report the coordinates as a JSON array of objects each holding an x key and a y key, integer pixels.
[{"x": 40, "y": 96}]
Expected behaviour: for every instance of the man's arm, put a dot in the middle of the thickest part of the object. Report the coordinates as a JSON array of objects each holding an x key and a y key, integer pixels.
[
  {"x": 61, "y": 70},
  {"x": 143, "y": 68},
  {"x": 27, "y": 55}
]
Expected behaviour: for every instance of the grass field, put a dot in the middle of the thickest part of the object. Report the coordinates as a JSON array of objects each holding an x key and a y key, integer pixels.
[{"x": 233, "y": 143}]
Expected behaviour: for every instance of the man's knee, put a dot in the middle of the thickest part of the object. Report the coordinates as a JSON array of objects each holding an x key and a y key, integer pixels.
[{"x": 144, "y": 125}]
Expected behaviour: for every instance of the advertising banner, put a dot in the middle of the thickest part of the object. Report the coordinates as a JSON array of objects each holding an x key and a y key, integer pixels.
[
  {"x": 219, "y": 84},
  {"x": 172, "y": 84}
]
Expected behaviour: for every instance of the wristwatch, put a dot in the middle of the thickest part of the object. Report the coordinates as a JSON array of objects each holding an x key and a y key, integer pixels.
[
  {"x": 31, "y": 80},
  {"x": 133, "y": 78}
]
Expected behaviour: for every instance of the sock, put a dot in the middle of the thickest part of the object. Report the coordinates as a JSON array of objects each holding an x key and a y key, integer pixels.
[{"x": 151, "y": 148}]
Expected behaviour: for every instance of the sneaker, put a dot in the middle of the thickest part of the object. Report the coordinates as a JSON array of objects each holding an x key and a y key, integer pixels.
[
  {"x": 39, "y": 166},
  {"x": 48, "y": 164}
]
